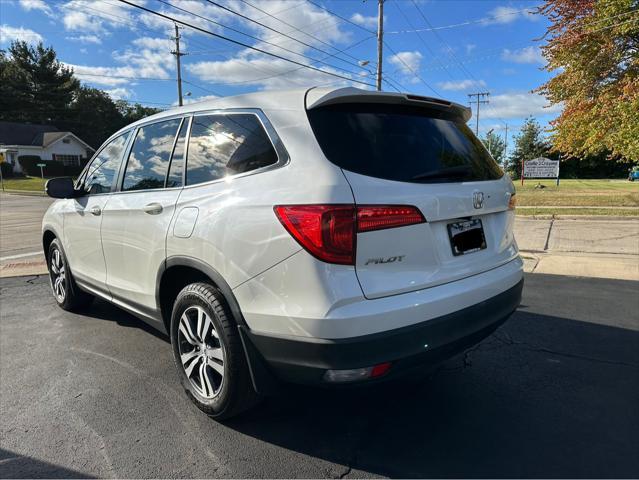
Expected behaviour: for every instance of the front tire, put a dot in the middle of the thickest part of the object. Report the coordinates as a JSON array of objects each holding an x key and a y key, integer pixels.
[
  {"x": 66, "y": 292},
  {"x": 208, "y": 353}
]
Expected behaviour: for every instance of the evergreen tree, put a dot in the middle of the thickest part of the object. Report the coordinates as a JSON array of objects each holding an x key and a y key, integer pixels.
[
  {"x": 495, "y": 145},
  {"x": 34, "y": 85},
  {"x": 529, "y": 144}
]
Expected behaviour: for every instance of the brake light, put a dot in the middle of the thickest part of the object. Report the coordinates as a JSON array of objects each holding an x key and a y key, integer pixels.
[
  {"x": 329, "y": 232},
  {"x": 378, "y": 217},
  {"x": 512, "y": 202}
]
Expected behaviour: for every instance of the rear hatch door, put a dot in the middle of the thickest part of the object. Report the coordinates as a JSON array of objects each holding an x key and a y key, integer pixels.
[{"x": 398, "y": 154}]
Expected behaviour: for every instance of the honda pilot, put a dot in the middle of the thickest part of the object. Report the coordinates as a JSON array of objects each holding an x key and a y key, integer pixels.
[{"x": 317, "y": 236}]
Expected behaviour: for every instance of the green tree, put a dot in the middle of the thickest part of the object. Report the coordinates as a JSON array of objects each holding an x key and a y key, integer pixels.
[
  {"x": 593, "y": 45},
  {"x": 34, "y": 85},
  {"x": 133, "y": 113},
  {"x": 529, "y": 143},
  {"x": 495, "y": 145},
  {"x": 93, "y": 116}
]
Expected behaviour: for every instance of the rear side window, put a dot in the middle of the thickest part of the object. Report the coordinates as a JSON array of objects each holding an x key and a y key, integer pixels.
[
  {"x": 174, "y": 179},
  {"x": 149, "y": 158},
  {"x": 227, "y": 144},
  {"x": 101, "y": 173},
  {"x": 405, "y": 144}
]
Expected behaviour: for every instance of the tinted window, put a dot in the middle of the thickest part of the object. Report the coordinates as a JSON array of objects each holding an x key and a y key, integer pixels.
[
  {"x": 401, "y": 143},
  {"x": 222, "y": 145},
  {"x": 149, "y": 157},
  {"x": 176, "y": 169},
  {"x": 104, "y": 168}
]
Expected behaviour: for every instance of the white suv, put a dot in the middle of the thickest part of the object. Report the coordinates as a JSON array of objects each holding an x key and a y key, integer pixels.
[{"x": 317, "y": 236}]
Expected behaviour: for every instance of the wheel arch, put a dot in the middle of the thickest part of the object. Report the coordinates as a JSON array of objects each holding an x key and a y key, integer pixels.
[
  {"x": 179, "y": 271},
  {"x": 48, "y": 235}
]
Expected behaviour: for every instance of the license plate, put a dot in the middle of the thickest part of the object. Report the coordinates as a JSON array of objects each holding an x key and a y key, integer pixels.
[{"x": 466, "y": 237}]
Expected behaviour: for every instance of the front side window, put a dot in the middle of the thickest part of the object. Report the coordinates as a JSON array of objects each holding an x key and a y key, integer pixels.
[
  {"x": 149, "y": 158},
  {"x": 101, "y": 173},
  {"x": 227, "y": 144}
]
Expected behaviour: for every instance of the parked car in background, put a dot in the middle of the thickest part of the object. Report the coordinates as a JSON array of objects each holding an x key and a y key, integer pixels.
[
  {"x": 633, "y": 174},
  {"x": 317, "y": 236}
]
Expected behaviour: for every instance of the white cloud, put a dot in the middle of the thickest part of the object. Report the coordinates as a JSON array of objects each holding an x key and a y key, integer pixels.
[
  {"x": 189, "y": 100},
  {"x": 251, "y": 68},
  {"x": 87, "y": 16},
  {"x": 86, "y": 39},
  {"x": 9, "y": 34},
  {"x": 119, "y": 93},
  {"x": 525, "y": 55},
  {"x": 503, "y": 14},
  {"x": 461, "y": 85},
  {"x": 29, "y": 5},
  {"x": 364, "y": 21},
  {"x": 408, "y": 63},
  {"x": 518, "y": 105},
  {"x": 258, "y": 70}
]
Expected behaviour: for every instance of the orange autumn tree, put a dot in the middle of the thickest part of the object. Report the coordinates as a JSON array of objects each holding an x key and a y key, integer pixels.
[{"x": 593, "y": 45}]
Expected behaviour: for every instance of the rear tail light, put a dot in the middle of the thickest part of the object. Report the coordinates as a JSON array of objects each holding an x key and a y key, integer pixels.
[
  {"x": 512, "y": 202},
  {"x": 329, "y": 232}
]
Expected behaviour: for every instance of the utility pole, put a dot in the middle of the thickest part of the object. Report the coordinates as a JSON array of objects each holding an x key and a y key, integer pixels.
[
  {"x": 177, "y": 54},
  {"x": 480, "y": 96},
  {"x": 380, "y": 41},
  {"x": 505, "y": 146}
]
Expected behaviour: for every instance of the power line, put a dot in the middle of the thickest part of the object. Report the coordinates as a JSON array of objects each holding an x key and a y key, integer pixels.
[
  {"x": 242, "y": 44},
  {"x": 277, "y": 31},
  {"x": 408, "y": 67},
  {"x": 462, "y": 24},
  {"x": 298, "y": 29},
  {"x": 259, "y": 39}
]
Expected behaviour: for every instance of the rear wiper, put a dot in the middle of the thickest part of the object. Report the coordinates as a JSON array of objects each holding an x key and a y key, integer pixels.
[{"x": 461, "y": 171}]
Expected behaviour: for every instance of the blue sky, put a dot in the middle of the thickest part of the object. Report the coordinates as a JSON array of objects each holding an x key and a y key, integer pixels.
[{"x": 445, "y": 48}]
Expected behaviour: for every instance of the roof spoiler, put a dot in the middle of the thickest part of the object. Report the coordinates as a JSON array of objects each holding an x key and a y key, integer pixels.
[{"x": 321, "y": 97}]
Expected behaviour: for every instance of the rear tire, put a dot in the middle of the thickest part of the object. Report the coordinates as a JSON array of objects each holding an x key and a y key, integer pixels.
[
  {"x": 208, "y": 353},
  {"x": 66, "y": 292}
]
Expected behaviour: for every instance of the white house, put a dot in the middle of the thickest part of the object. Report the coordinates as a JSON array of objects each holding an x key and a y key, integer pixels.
[{"x": 45, "y": 141}]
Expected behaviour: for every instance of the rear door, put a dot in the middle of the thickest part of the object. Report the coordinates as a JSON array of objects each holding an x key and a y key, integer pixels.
[
  {"x": 407, "y": 155},
  {"x": 137, "y": 217}
]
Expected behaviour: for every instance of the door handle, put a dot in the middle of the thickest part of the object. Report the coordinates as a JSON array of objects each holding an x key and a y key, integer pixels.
[
  {"x": 152, "y": 208},
  {"x": 95, "y": 210}
]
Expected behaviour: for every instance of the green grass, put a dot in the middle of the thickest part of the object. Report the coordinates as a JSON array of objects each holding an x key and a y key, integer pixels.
[
  {"x": 578, "y": 193},
  {"x": 25, "y": 184},
  {"x": 548, "y": 212}
]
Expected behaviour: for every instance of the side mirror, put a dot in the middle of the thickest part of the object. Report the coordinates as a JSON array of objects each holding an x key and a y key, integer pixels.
[{"x": 60, "y": 188}]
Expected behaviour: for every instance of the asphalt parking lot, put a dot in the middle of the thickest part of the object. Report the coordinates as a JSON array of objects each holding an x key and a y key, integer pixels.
[{"x": 553, "y": 393}]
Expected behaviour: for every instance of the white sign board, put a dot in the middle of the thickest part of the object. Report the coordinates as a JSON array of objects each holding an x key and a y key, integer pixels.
[{"x": 541, "y": 168}]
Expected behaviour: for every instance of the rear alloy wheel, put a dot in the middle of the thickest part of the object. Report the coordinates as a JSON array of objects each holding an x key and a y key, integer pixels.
[
  {"x": 201, "y": 352},
  {"x": 65, "y": 291},
  {"x": 208, "y": 353}
]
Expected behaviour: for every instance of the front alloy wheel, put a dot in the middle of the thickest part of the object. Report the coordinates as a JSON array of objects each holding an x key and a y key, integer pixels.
[
  {"x": 58, "y": 276},
  {"x": 65, "y": 291},
  {"x": 201, "y": 352}
]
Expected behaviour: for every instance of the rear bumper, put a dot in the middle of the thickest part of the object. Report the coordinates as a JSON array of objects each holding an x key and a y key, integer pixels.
[{"x": 305, "y": 360}]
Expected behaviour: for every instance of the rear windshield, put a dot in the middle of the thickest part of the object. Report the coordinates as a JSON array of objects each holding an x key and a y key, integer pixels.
[{"x": 401, "y": 143}]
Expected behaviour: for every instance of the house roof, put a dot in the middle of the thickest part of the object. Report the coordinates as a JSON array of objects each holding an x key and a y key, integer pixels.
[{"x": 13, "y": 133}]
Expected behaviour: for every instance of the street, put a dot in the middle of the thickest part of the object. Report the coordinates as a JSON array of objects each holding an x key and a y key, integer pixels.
[{"x": 552, "y": 393}]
